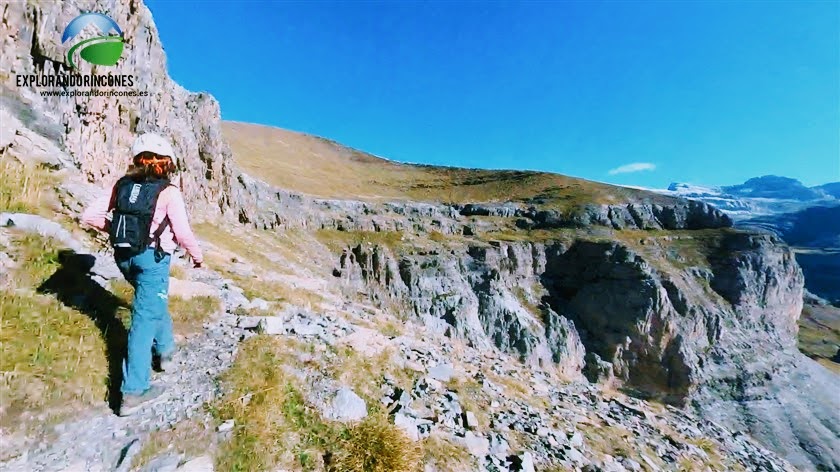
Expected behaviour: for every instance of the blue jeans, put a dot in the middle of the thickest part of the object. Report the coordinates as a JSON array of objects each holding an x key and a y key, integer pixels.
[{"x": 151, "y": 325}]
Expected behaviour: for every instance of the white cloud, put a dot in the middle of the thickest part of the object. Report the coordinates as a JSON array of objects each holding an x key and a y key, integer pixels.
[{"x": 634, "y": 167}]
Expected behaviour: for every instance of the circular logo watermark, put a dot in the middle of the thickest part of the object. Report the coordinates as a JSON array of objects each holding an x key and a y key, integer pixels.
[{"x": 104, "y": 49}]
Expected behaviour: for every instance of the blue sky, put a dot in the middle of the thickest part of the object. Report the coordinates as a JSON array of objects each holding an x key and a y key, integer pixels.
[{"x": 703, "y": 92}]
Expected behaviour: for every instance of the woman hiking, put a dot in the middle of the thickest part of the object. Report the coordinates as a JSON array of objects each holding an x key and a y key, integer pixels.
[{"x": 147, "y": 220}]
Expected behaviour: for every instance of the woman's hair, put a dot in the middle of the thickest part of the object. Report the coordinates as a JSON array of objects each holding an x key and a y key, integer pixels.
[{"x": 150, "y": 165}]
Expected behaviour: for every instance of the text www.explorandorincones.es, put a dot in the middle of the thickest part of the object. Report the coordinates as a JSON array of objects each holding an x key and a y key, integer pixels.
[{"x": 94, "y": 93}]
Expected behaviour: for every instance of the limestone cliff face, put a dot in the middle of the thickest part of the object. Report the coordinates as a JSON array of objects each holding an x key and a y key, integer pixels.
[
  {"x": 654, "y": 325},
  {"x": 271, "y": 208},
  {"x": 722, "y": 332},
  {"x": 93, "y": 134}
]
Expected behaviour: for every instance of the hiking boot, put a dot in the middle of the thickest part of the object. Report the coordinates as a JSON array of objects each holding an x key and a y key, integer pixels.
[
  {"x": 166, "y": 363},
  {"x": 163, "y": 363},
  {"x": 132, "y": 403}
]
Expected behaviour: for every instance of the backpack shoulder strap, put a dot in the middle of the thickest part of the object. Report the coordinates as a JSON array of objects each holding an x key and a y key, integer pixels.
[
  {"x": 115, "y": 197},
  {"x": 161, "y": 228},
  {"x": 163, "y": 224}
]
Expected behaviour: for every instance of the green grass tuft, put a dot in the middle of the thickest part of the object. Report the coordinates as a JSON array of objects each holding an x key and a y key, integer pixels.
[
  {"x": 819, "y": 334},
  {"x": 39, "y": 258},
  {"x": 274, "y": 426},
  {"x": 52, "y": 358}
]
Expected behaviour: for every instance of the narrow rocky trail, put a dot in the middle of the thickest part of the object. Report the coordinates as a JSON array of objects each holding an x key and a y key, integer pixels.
[{"x": 98, "y": 439}]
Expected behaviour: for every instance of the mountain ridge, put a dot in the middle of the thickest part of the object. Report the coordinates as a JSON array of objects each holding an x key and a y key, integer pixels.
[{"x": 768, "y": 194}]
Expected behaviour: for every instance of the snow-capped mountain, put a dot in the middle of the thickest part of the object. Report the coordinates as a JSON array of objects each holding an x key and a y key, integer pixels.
[
  {"x": 760, "y": 196},
  {"x": 773, "y": 186}
]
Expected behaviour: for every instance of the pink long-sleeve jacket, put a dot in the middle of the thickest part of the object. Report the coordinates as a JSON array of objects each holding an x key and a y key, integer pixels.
[{"x": 170, "y": 203}]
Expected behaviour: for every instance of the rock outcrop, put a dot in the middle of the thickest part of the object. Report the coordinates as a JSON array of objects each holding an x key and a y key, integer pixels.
[
  {"x": 686, "y": 214},
  {"x": 93, "y": 134},
  {"x": 275, "y": 208},
  {"x": 719, "y": 333}
]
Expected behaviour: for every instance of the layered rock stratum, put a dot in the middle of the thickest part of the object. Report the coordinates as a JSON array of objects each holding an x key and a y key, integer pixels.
[{"x": 568, "y": 287}]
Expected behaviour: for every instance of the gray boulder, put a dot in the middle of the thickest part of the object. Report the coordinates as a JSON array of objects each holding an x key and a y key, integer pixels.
[{"x": 347, "y": 406}]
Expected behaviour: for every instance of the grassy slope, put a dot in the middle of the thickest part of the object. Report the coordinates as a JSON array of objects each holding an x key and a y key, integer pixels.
[
  {"x": 323, "y": 168},
  {"x": 819, "y": 334}
]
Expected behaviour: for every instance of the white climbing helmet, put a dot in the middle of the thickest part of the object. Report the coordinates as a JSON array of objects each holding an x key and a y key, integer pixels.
[{"x": 151, "y": 142}]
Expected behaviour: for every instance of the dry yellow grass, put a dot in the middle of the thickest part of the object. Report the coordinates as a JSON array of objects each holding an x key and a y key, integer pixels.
[
  {"x": 338, "y": 240},
  {"x": 472, "y": 397},
  {"x": 189, "y": 315},
  {"x": 391, "y": 328},
  {"x": 830, "y": 365},
  {"x": 179, "y": 272},
  {"x": 276, "y": 427},
  {"x": 528, "y": 302},
  {"x": 23, "y": 187},
  {"x": 364, "y": 374},
  {"x": 253, "y": 246},
  {"x": 246, "y": 244},
  {"x": 376, "y": 445},
  {"x": 512, "y": 387},
  {"x": 278, "y": 251},
  {"x": 446, "y": 455},
  {"x": 275, "y": 291},
  {"x": 615, "y": 440},
  {"x": 321, "y": 167}
]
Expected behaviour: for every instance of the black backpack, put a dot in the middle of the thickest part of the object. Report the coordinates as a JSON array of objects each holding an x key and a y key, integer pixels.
[{"x": 134, "y": 206}]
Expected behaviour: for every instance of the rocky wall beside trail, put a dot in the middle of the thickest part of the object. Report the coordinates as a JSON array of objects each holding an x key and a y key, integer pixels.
[{"x": 94, "y": 134}]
